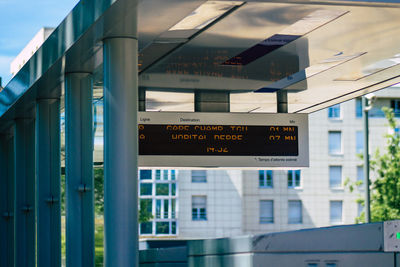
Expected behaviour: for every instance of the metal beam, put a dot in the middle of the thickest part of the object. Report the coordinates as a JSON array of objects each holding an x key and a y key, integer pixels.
[
  {"x": 25, "y": 232},
  {"x": 48, "y": 182},
  {"x": 120, "y": 151},
  {"x": 79, "y": 170},
  {"x": 7, "y": 190}
]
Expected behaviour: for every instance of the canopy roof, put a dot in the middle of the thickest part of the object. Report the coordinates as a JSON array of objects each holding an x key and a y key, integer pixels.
[{"x": 321, "y": 52}]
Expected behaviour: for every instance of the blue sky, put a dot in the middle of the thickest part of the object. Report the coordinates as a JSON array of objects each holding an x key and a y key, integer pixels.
[{"x": 20, "y": 20}]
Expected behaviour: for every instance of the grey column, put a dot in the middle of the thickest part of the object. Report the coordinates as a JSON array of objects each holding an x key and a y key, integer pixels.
[
  {"x": 48, "y": 182},
  {"x": 79, "y": 170},
  {"x": 366, "y": 106},
  {"x": 120, "y": 152},
  {"x": 211, "y": 101},
  {"x": 25, "y": 234},
  {"x": 7, "y": 188}
]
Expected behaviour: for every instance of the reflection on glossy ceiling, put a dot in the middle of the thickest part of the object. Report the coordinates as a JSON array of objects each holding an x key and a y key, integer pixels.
[{"x": 320, "y": 52}]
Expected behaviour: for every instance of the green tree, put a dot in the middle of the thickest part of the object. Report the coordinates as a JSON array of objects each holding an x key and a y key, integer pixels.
[
  {"x": 385, "y": 189},
  {"x": 144, "y": 212},
  {"x": 145, "y": 208}
]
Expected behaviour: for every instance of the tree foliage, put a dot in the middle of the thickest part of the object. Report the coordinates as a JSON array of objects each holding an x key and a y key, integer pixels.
[
  {"x": 385, "y": 189},
  {"x": 144, "y": 213}
]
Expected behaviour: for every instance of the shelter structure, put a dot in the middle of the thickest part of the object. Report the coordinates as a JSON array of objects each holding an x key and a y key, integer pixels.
[{"x": 215, "y": 56}]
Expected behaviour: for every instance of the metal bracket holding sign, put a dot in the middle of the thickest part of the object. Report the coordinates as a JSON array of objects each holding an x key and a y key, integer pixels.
[{"x": 242, "y": 140}]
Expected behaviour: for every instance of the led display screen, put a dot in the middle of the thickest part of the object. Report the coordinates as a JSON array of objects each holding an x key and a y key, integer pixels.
[{"x": 218, "y": 140}]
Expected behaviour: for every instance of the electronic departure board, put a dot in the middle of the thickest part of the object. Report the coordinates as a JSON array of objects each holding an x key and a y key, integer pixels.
[{"x": 222, "y": 140}]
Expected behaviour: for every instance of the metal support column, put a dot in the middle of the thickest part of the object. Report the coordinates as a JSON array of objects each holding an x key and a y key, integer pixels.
[
  {"x": 120, "y": 151},
  {"x": 48, "y": 182},
  {"x": 79, "y": 170},
  {"x": 366, "y": 107},
  {"x": 7, "y": 189},
  {"x": 282, "y": 101},
  {"x": 211, "y": 101},
  {"x": 25, "y": 232}
]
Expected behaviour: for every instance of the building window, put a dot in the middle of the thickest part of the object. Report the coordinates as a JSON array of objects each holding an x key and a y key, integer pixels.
[
  {"x": 146, "y": 189},
  {"x": 158, "y": 196},
  {"x": 360, "y": 209},
  {"x": 146, "y": 228},
  {"x": 336, "y": 212},
  {"x": 359, "y": 142},
  {"x": 335, "y": 176},
  {"x": 265, "y": 179},
  {"x": 199, "y": 176},
  {"x": 359, "y": 111},
  {"x": 266, "y": 211},
  {"x": 334, "y": 112},
  {"x": 395, "y": 105},
  {"x": 294, "y": 178},
  {"x": 360, "y": 176},
  {"x": 335, "y": 142},
  {"x": 295, "y": 214},
  {"x": 145, "y": 174},
  {"x": 199, "y": 208}
]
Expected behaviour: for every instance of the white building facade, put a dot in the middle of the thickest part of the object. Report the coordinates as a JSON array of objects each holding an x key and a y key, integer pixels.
[{"x": 223, "y": 203}]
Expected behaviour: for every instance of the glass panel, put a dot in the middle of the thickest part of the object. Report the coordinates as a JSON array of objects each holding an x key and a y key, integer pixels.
[
  {"x": 162, "y": 189},
  {"x": 266, "y": 211},
  {"x": 295, "y": 212},
  {"x": 173, "y": 175},
  {"x": 336, "y": 211},
  {"x": 360, "y": 175},
  {"x": 173, "y": 189},
  {"x": 199, "y": 176},
  {"x": 335, "y": 142},
  {"x": 165, "y": 175},
  {"x": 359, "y": 142},
  {"x": 146, "y": 228},
  {"x": 358, "y": 108},
  {"x": 145, "y": 174},
  {"x": 166, "y": 203},
  {"x": 158, "y": 208},
  {"x": 334, "y": 112},
  {"x": 162, "y": 228},
  {"x": 158, "y": 174},
  {"x": 360, "y": 209},
  {"x": 173, "y": 203},
  {"x": 199, "y": 208},
  {"x": 173, "y": 228},
  {"x": 290, "y": 178},
  {"x": 261, "y": 179},
  {"x": 297, "y": 173},
  {"x": 269, "y": 179},
  {"x": 146, "y": 204},
  {"x": 146, "y": 189},
  {"x": 203, "y": 214},
  {"x": 335, "y": 176}
]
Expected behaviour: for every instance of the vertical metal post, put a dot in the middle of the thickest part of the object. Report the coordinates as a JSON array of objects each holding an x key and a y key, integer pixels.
[
  {"x": 211, "y": 101},
  {"x": 365, "y": 107},
  {"x": 25, "y": 232},
  {"x": 7, "y": 188},
  {"x": 79, "y": 170},
  {"x": 120, "y": 151},
  {"x": 282, "y": 101},
  {"x": 48, "y": 182}
]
